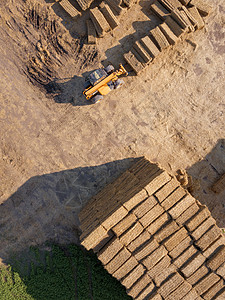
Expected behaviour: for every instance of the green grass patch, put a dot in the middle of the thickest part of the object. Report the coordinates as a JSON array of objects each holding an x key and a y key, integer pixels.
[{"x": 63, "y": 273}]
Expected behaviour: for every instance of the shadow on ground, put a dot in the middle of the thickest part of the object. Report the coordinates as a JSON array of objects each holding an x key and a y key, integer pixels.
[
  {"x": 46, "y": 207},
  {"x": 208, "y": 171}
]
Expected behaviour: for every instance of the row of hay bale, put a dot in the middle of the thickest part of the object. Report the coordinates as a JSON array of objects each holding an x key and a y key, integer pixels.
[
  {"x": 177, "y": 20},
  {"x": 154, "y": 237}
]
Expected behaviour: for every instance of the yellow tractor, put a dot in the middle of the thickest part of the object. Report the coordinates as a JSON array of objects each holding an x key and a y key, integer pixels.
[{"x": 102, "y": 81}]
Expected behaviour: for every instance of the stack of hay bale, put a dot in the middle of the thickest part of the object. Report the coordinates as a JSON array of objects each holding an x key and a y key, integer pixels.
[
  {"x": 69, "y": 8},
  {"x": 178, "y": 17},
  {"x": 154, "y": 237}
]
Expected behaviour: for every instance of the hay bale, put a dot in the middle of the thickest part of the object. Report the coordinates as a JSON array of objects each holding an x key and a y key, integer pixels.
[
  {"x": 131, "y": 234},
  {"x": 118, "y": 261},
  {"x": 150, "y": 261},
  {"x": 181, "y": 206},
  {"x": 170, "y": 4},
  {"x": 69, "y": 8},
  {"x": 181, "y": 247},
  {"x": 197, "y": 219},
  {"x": 109, "y": 15},
  {"x": 192, "y": 295},
  {"x": 187, "y": 214},
  {"x": 146, "y": 249},
  {"x": 195, "y": 13},
  {"x": 208, "y": 238},
  {"x": 180, "y": 292},
  {"x": 173, "y": 198},
  {"x": 185, "y": 256},
  {"x": 166, "y": 231},
  {"x": 170, "y": 285},
  {"x": 159, "y": 38},
  {"x": 135, "y": 64},
  {"x": 100, "y": 23},
  {"x": 150, "y": 47},
  {"x": 152, "y": 215},
  {"x": 201, "y": 229},
  {"x": 145, "y": 206},
  {"x": 146, "y": 292},
  {"x": 142, "y": 282},
  {"x": 202, "y": 7},
  {"x": 220, "y": 241},
  {"x": 191, "y": 266},
  {"x": 124, "y": 224},
  {"x": 159, "y": 10},
  {"x": 135, "y": 200},
  {"x": 216, "y": 288},
  {"x": 221, "y": 271},
  {"x": 91, "y": 32},
  {"x": 109, "y": 251},
  {"x": 133, "y": 276},
  {"x": 158, "y": 223},
  {"x": 196, "y": 276},
  {"x": 161, "y": 178},
  {"x": 139, "y": 241},
  {"x": 129, "y": 265},
  {"x": 115, "y": 218},
  {"x": 217, "y": 259},
  {"x": 142, "y": 52},
  {"x": 94, "y": 238},
  {"x": 162, "y": 270},
  {"x": 167, "y": 189},
  {"x": 206, "y": 283},
  {"x": 171, "y": 37},
  {"x": 174, "y": 26},
  {"x": 155, "y": 296},
  {"x": 103, "y": 242},
  {"x": 175, "y": 239}
]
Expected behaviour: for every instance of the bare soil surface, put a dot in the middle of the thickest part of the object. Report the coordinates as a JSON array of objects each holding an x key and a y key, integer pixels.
[{"x": 56, "y": 151}]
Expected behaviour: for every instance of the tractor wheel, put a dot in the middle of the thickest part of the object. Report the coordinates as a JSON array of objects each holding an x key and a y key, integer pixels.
[
  {"x": 96, "y": 98},
  {"x": 109, "y": 69},
  {"x": 119, "y": 83}
]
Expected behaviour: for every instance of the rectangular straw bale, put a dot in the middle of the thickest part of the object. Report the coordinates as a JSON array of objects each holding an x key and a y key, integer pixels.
[
  {"x": 208, "y": 238},
  {"x": 101, "y": 25},
  {"x": 133, "y": 276},
  {"x": 181, "y": 247},
  {"x": 135, "y": 200},
  {"x": 202, "y": 7},
  {"x": 166, "y": 231},
  {"x": 187, "y": 214},
  {"x": 129, "y": 265},
  {"x": 146, "y": 292},
  {"x": 206, "y": 283},
  {"x": 139, "y": 241},
  {"x": 201, "y": 229},
  {"x": 159, "y": 38},
  {"x": 197, "y": 275},
  {"x": 115, "y": 218},
  {"x": 181, "y": 206},
  {"x": 145, "y": 206},
  {"x": 117, "y": 261},
  {"x": 195, "y": 13},
  {"x": 151, "y": 260},
  {"x": 219, "y": 185},
  {"x": 109, "y": 15},
  {"x": 167, "y": 189},
  {"x": 189, "y": 21},
  {"x": 91, "y": 32},
  {"x": 157, "y": 182},
  {"x": 103, "y": 242},
  {"x": 175, "y": 239},
  {"x": 214, "y": 290},
  {"x": 139, "y": 285},
  {"x": 158, "y": 223},
  {"x": 142, "y": 52},
  {"x": 220, "y": 241},
  {"x": 170, "y": 4},
  {"x": 173, "y": 198},
  {"x": 197, "y": 219},
  {"x": 192, "y": 295},
  {"x": 171, "y": 37},
  {"x": 180, "y": 292},
  {"x": 152, "y": 215},
  {"x": 69, "y": 8},
  {"x": 145, "y": 167},
  {"x": 221, "y": 271},
  {"x": 190, "y": 16},
  {"x": 221, "y": 295},
  {"x": 116, "y": 7},
  {"x": 185, "y": 256},
  {"x": 146, "y": 249},
  {"x": 109, "y": 251},
  {"x": 170, "y": 285},
  {"x": 149, "y": 46},
  {"x": 124, "y": 224},
  {"x": 94, "y": 238},
  {"x": 155, "y": 296},
  {"x": 174, "y": 26},
  {"x": 131, "y": 234},
  {"x": 191, "y": 266},
  {"x": 135, "y": 64},
  {"x": 159, "y": 10},
  {"x": 162, "y": 270},
  {"x": 177, "y": 16},
  {"x": 217, "y": 259}
]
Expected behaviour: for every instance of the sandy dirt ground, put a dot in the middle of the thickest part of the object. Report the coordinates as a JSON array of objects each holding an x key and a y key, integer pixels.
[{"x": 56, "y": 151}]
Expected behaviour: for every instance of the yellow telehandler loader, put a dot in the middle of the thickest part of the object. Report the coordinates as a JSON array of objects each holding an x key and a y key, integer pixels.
[{"x": 102, "y": 81}]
